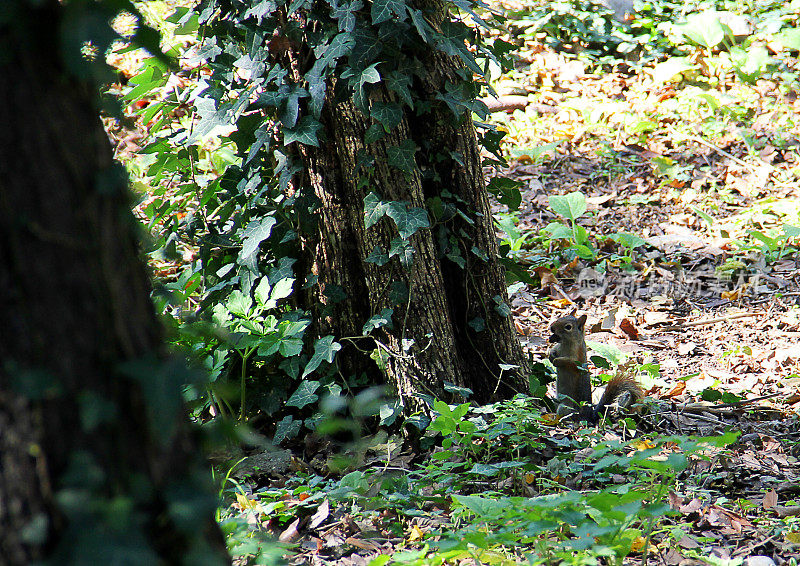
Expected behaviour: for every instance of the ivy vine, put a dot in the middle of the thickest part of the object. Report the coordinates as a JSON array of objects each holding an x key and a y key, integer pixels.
[{"x": 264, "y": 70}]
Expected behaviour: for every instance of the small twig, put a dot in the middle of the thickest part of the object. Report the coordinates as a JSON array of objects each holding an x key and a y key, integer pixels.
[
  {"x": 716, "y": 320},
  {"x": 705, "y": 418},
  {"x": 751, "y": 547},
  {"x": 748, "y": 401},
  {"x": 721, "y": 151},
  {"x": 562, "y": 293}
]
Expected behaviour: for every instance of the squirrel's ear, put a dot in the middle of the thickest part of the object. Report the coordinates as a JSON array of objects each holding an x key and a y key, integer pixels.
[
  {"x": 574, "y": 311},
  {"x": 582, "y": 320}
]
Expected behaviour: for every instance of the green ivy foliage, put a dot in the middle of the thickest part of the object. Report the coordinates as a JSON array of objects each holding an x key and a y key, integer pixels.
[{"x": 273, "y": 65}]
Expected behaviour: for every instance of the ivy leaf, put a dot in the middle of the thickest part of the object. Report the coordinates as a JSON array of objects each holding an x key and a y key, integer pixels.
[
  {"x": 374, "y": 209},
  {"x": 507, "y": 191},
  {"x": 374, "y": 133},
  {"x": 287, "y": 428},
  {"x": 389, "y": 115},
  {"x": 304, "y": 395},
  {"x": 256, "y": 232},
  {"x": 400, "y": 83},
  {"x": 360, "y": 99},
  {"x": 296, "y": 5},
  {"x": 324, "y": 349},
  {"x": 316, "y": 88},
  {"x": 339, "y": 46},
  {"x": 378, "y": 257},
  {"x": 402, "y": 156},
  {"x": 480, "y": 253},
  {"x": 464, "y": 392},
  {"x": 357, "y": 80},
  {"x": 452, "y": 40},
  {"x": 389, "y": 413},
  {"x": 290, "y": 347},
  {"x": 208, "y": 51},
  {"x": 239, "y": 303},
  {"x": 366, "y": 47},
  {"x": 466, "y": 6},
  {"x": 282, "y": 289},
  {"x": 281, "y": 269},
  {"x": 261, "y": 9},
  {"x": 417, "y": 218},
  {"x": 424, "y": 29},
  {"x": 452, "y": 37},
  {"x": 398, "y": 294},
  {"x": 370, "y": 75},
  {"x": 346, "y": 14},
  {"x": 407, "y": 220},
  {"x": 210, "y": 117},
  {"x": 384, "y": 10},
  {"x": 262, "y": 138},
  {"x": 501, "y": 307},
  {"x": 454, "y": 255},
  {"x": 378, "y": 320},
  {"x": 402, "y": 248},
  {"x": 291, "y": 109},
  {"x": 305, "y": 132},
  {"x": 397, "y": 211}
]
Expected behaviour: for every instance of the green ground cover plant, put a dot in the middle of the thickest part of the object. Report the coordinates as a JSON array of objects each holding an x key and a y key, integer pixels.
[{"x": 503, "y": 482}]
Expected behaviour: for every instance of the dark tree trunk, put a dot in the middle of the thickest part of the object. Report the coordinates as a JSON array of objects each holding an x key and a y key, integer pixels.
[
  {"x": 96, "y": 458},
  {"x": 344, "y": 244},
  {"x": 444, "y": 298},
  {"x": 475, "y": 291}
]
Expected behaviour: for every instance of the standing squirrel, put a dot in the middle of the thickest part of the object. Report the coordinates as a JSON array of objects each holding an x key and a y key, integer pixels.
[{"x": 574, "y": 390}]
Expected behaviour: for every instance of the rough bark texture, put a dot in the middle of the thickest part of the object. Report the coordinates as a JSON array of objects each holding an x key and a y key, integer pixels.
[
  {"x": 472, "y": 290},
  {"x": 75, "y": 301},
  {"x": 444, "y": 297},
  {"x": 344, "y": 245}
]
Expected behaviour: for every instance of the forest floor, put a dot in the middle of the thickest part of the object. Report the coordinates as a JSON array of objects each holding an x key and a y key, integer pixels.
[
  {"x": 708, "y": 301},
  {"x": 712, "y": 298},
  {"x": 689, "y": 266}
]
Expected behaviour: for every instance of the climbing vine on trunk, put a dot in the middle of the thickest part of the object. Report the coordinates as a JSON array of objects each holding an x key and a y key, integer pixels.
[{"x": 357, "y": 190}]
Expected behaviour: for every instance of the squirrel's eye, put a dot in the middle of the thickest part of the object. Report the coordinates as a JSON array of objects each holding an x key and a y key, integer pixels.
[{"x": 568, "y": 327}]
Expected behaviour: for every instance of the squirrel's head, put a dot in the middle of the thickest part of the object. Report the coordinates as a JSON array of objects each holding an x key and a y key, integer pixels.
[{"x": 566, "y": 325}]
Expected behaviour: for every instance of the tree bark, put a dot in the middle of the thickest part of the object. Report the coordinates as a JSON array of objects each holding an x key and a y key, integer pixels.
[
  {"x": 444, "y": 298},
  {"x": 478, "y": 290},
  {"x": 344, "y": 244},
  {"x": 96, "y": 457}
]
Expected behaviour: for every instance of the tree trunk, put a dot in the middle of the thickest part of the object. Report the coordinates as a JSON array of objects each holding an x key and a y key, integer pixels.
[
  {"x": 447, "y": 304},
  {"x": 344, "y": 244},
  {"x": 477, "y": 291},
  {"x": 96, "y": 460}
]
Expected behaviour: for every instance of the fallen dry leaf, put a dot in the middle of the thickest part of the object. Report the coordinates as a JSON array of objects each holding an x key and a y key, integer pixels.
[
  {"x": 675, "y": 500},
  {"x": 323, "y": 511},
  {"x": 678, "y": 389},
  {"x": 628, "y": 328},
  {"x": 362, "y": 544},
  {"x": 415, "y": 534},
  {"x": 291, "y": 533}
]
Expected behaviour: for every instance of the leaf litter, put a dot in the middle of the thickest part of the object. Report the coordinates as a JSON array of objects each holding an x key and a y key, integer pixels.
[{"x": 701, "y": 200}]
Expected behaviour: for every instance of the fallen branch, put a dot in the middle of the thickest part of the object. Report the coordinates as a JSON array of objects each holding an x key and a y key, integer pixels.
[{"x": 516, "y": 102}]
